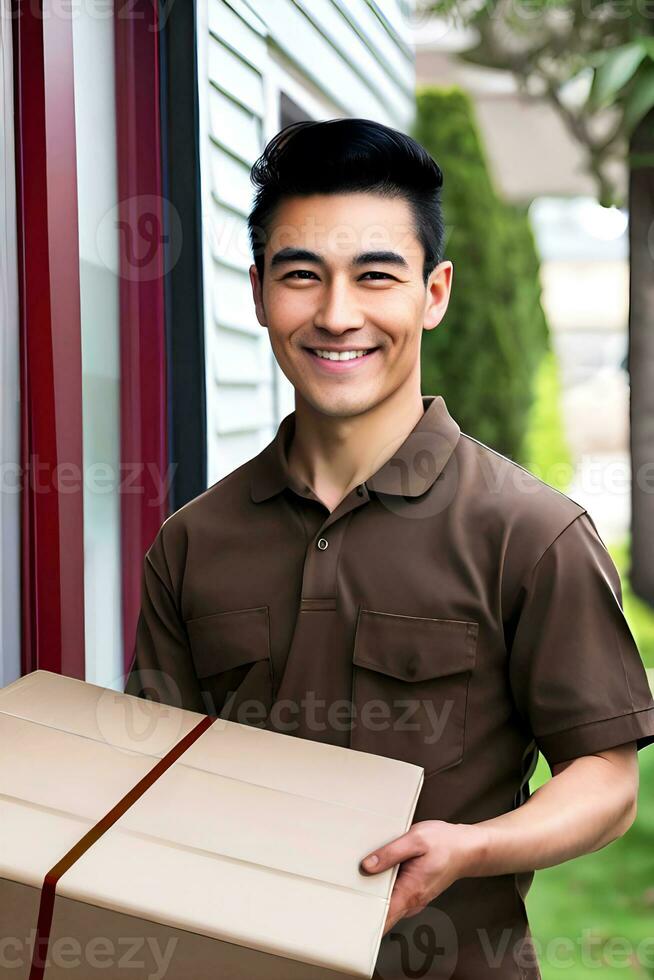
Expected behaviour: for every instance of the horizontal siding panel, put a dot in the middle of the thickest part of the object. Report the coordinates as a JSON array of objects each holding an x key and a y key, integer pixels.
[
  {"x": 226, "y": 235},
  {"x": 239, "y": 35},
  {"x": 232, "y": 302},
  {"x": 234, "y": 76},
  {"x": 397, "y": 14},
  {"x": 285, "y": 392},
  {"x": 316, "y": 57},
  {"x": 231, "y": 451},
  {"x": 230, "y": 180},
  {"x": 233, "y": 126},
  {"x": 242, "y": 359},
  {"x": 240, "y": 410},
  {"x": 397, "y": 54},
  {"x": 243, "y": 9},
  {"x": 342, "y": 36}
]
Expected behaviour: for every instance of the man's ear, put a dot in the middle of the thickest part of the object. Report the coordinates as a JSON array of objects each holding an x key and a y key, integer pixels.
[
  {"x": 257, "y": 295},
  {"x": 438, "y": 289}
]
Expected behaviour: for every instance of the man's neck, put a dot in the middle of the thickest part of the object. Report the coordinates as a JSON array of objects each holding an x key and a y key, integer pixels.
[{"x": 332, "y": 455}]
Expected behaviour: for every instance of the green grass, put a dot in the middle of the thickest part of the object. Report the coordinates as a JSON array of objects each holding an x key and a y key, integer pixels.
[
  {"x": 597, "y": 911},
  {"x": 593, "y": 917}
]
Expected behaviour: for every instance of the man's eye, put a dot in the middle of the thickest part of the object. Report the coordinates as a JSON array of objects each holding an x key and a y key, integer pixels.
[{"x": 301, "y": 273}]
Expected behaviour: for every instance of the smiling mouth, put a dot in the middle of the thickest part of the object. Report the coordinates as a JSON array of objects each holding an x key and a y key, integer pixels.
[{"x": 336, "y": 357}]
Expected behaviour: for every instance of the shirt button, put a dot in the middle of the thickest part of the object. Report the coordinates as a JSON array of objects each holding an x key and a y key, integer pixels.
[{"x": 322, "y": 543}]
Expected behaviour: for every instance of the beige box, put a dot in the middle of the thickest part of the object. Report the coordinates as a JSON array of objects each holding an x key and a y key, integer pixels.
[{"x": 240, "y": 861}]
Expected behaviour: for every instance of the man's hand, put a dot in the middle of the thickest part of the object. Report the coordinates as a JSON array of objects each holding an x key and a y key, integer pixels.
[
  {"x": 588, "y": 802},
  {"x": 432, "y": 855}
]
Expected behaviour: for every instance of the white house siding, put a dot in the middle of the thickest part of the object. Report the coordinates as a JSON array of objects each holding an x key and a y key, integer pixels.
[{"x": 331, "y": 58}]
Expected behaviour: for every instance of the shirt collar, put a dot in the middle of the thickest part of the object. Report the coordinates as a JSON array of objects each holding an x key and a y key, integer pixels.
[{"x": 411, "y": 470}]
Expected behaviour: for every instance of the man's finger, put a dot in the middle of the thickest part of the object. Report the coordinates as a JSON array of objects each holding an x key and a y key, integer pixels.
[
  {"x": 402, "y": 904},
  {"x": 394, "y": 852}
]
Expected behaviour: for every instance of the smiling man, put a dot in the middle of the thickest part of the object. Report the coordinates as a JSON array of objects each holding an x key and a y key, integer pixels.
[{"x": 377, "y": 579}]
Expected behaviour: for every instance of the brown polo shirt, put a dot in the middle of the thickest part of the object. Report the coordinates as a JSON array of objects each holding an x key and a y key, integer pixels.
[{"x": 453, "y": 611}]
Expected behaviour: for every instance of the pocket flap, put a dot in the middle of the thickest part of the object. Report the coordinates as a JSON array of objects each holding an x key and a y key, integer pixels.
[
  {"x": 224, "y": 640},
  {"x": 414, "y": 648}
]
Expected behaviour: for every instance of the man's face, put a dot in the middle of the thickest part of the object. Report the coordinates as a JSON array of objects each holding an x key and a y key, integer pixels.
[{"x": 344, "y": 273}]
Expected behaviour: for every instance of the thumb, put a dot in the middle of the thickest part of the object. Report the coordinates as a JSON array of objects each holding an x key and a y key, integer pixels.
[{"x": 394, "y": 852}]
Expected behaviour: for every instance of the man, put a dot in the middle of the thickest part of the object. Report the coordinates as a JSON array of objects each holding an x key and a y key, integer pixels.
[{"x": 377, "y": 579}]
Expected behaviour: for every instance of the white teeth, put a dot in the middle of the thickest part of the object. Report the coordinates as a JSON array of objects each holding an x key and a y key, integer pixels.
[{"x": 347, "y": 355}]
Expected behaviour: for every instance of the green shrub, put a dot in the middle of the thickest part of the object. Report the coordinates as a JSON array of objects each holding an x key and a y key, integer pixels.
[{"x": 483, "y": 356}]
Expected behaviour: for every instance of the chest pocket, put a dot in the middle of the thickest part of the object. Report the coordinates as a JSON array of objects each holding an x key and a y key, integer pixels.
[
  {"x": 231, "y": 656},
  {"x": 410, "y": 687}
]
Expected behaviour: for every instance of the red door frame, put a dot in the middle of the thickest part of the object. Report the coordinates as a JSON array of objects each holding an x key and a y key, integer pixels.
[
  {"x": 52, "y": 515},
  {"x": 143, "y": 401}
]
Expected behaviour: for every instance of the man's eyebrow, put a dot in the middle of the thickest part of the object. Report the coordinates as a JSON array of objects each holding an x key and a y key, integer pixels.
[
  {"x": 380, "y": 258},
  {"x": 364, "y": 258}
]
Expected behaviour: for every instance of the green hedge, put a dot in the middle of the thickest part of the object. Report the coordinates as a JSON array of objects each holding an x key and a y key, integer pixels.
[
  {"x": 545, "y": 449},
  {"x": 484, "y": 355}
]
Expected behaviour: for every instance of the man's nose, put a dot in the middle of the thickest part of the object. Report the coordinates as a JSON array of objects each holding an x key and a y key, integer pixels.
[{"x": 339, "y": 310}]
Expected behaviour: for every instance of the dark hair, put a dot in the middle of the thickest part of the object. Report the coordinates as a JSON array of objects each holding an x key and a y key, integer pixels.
[{"x": 337, "y": 156}]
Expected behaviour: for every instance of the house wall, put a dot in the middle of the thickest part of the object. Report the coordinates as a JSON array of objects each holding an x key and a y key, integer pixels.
[{"x": 318, "y": 59}]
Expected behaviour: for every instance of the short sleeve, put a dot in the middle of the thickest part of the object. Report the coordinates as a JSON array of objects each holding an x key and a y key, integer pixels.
[
  {"x": 575, "y": 671},
  {"x": 162, "y": 666}
]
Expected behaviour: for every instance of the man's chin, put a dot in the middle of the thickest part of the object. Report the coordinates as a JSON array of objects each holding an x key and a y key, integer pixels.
[{"x": 341, "y": 405}]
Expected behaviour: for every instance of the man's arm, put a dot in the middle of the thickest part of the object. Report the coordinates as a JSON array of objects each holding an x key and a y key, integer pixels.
[
  {"x": 579, "y": 684},
  {"x": 162, "y": 667},
  {"x": 589, "y": 802}
]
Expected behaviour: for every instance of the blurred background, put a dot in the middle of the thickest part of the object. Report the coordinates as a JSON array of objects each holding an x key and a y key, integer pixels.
[{"x": 133, "y": 372}]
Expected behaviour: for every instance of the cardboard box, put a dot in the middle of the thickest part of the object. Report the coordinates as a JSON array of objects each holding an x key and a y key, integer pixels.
[{"x": 239, "y": 861}]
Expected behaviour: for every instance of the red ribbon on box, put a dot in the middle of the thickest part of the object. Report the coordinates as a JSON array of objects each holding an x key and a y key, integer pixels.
[{"x": 48, "y": 891}]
